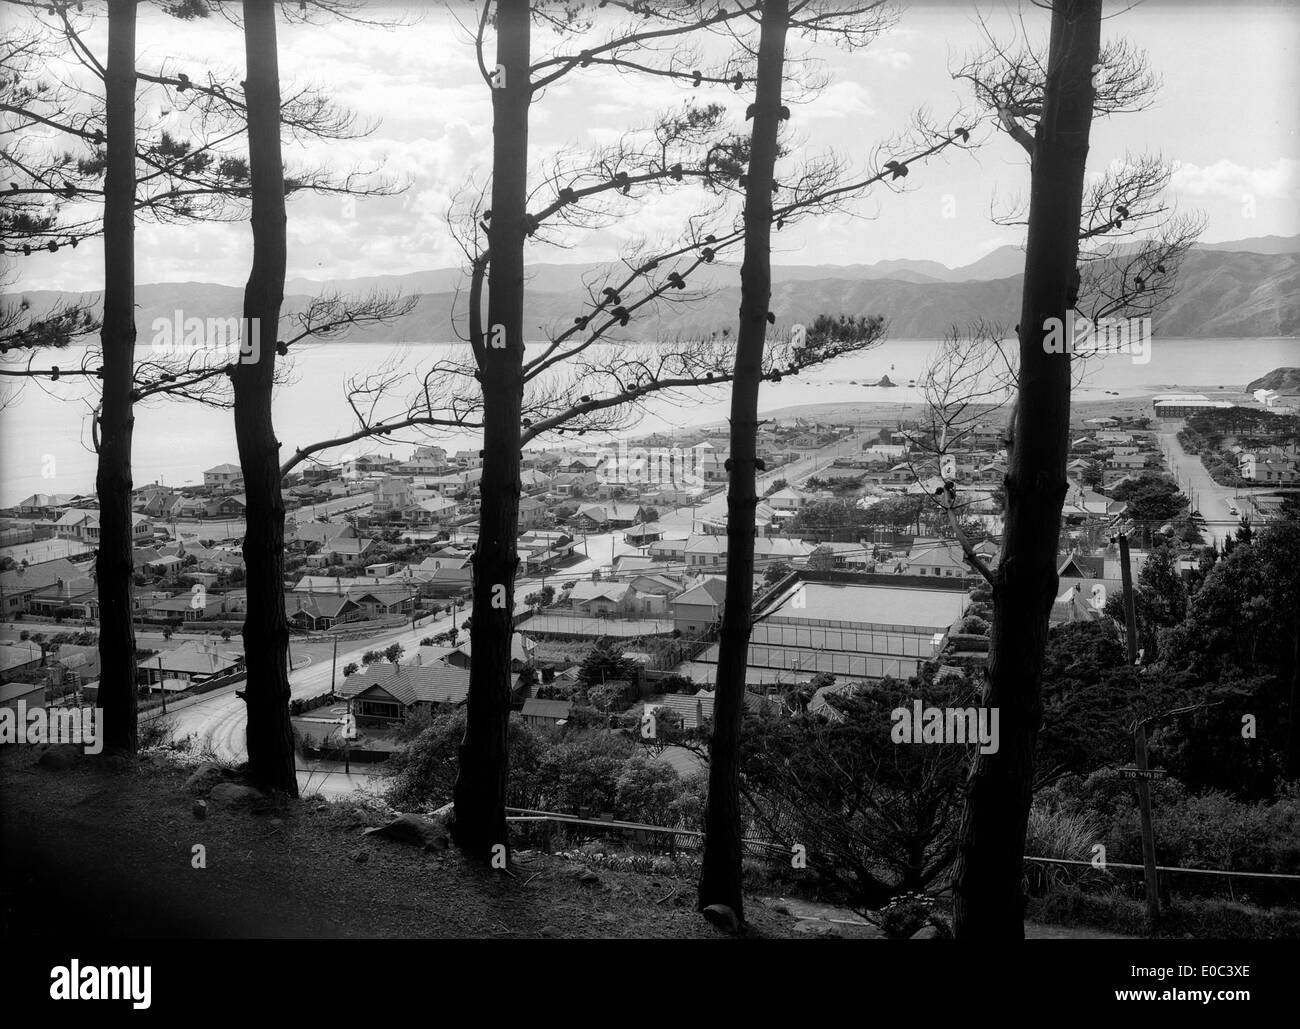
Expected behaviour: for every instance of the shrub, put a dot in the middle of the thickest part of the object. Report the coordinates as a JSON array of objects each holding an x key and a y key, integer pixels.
[
  {"x": 1195, "y": 917},
  {"x": 905, "y": 914},
  {"x": 646, "y": 791}
]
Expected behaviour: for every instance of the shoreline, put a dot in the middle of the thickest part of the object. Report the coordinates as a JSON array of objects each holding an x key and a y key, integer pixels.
[{"x": 1098, "y": 402}]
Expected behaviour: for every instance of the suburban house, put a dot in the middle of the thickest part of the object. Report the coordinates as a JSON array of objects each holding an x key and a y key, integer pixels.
[
  {"x": 317, "y": 611},
  {"x": 46, "y": 586},
  {"x": 765, "y": 518},
  {"x": 643, "y": 535},
  {"x": 787, "y": 498},
  {"x": 668, "y": 549},
  {"x": 542, "y": 549},
  {"x": 706, "y": 551},
  {"x": 306, "y": 537},
  {"x": 521, "y": 653},
  {"x": 189, "y": 665},
  {"x": 342, "y": 550},
  {"x": 532, "y": 513},
  {"x": 944, "y": 560},
  {"x": 225, "y": 507},
  {"x": 610, "y": 515},
  {"x": 43, "y": 505},
  {"x": 1083, "y": 503},
  {"x": 84, "y": 525},
  {"x": 18, "y": 659},
  {"x": 433, "y": 510},
  {"x": 1265, "y": 470},
  {"x": 187, "y": 507},
  {"x": 604, "y": 598},
  {"x": 391, "y": 495},
  {"x": 383, "y": 600},
  {"x": 184, "y": 607},
  {"x": 697, "y": 709},
  {"x": 700, "y": 606},
  {"x": 223, "y": 476},
  {"x": 445, "y": 581},
  {"x": 383, "y": 694},
  {"x": 546, "y": 712},
  {"x": 710, "y": 551},
  {"x": 365, "y": 465}
]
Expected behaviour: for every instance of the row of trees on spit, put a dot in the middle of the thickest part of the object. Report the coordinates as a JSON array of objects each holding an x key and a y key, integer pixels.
[{"x": 1105, "y": 247}]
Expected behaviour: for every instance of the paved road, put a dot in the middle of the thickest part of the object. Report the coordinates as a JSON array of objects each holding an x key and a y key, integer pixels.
[
  {"x": 217, "y": 720},
  {"x": 1207, "y": 496}
]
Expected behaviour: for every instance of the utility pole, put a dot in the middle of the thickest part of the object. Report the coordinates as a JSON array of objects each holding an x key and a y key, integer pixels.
[
  {"x": 1140, "y": 746},
  {"x": 334, "y": 664}
]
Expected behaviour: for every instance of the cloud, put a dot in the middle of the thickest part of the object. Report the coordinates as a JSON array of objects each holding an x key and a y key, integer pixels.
[
  {"x": 896, "y": 60},
  {"x": 1225, "y": 178}
]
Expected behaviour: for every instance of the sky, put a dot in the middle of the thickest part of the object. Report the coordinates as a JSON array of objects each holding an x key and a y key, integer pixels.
[{"x": 1226, "y": 117}]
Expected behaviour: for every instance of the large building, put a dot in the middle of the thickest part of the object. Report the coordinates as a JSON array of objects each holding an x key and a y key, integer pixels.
[
  {"x": 1182, "y": 405},
  {"x": 855, "y": 626}
]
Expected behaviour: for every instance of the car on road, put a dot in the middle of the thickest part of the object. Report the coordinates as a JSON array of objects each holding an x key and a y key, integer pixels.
[{"x": 1232, "y": 507}]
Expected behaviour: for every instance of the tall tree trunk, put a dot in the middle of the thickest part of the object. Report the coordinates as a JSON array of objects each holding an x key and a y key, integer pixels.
[
  {"x": 989, "y": 902},
  {"x": 720, "y": 876},
  {"x": 114, "y": 562},
  {"x": 266, "y": 629},
  {"x": 480, "y": 792}
]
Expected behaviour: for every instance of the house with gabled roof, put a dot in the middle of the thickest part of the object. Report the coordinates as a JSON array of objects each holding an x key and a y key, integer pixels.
[
  {"x": 546, "y": 712},
  {"x": 46, "y": 586},
  {"x": 223, "y": 476},
  {"x": 43, "y": 505},
  {"x": 603, "y": 598},
  {"x": 317, "y": 611},
  {"x": 309, "y": 536},
  {"x": 696, "y": 609},
  {"x": 341, "y": 550},
  {"x": 385, "y": 694}
]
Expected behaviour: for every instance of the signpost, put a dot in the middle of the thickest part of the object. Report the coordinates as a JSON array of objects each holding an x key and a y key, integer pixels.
[{"x": 1141, "y": 772}]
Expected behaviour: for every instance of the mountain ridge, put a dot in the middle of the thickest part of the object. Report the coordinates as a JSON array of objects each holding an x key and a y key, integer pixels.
[{"x": 1223, "y": 293}]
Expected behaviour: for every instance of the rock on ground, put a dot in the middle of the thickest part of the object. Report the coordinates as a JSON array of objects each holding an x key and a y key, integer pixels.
[
  {"x": 204, "y": 777},
  {"x": 723, "y": 917},
  {"x": 822, "y": 930},
  {"x": 60, "y": 755},
  {"x": 417, "y": 830},
  {"x": 233, "y": 794}
]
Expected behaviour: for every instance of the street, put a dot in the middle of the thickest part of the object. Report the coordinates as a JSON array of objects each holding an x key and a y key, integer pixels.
[{"x": 1206, "y": 495}]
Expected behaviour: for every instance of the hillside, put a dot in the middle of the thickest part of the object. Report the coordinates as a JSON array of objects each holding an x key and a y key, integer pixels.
[
  {"x": 1222, "y": 294},
  {"x": 280, "y": 868},
  {"x": 1284, "y": 380}
]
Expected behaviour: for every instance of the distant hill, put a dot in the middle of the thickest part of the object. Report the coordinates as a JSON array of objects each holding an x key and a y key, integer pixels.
[
  {"x": 1284, "y": 380},
  {"x": 1227, "y": 293},
  {"x": 1258, "y": 245}
]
